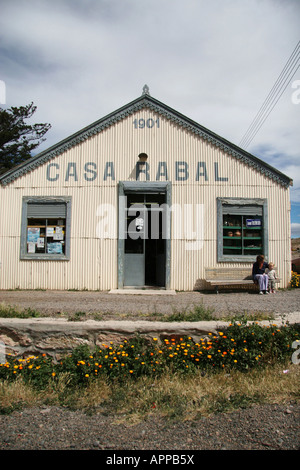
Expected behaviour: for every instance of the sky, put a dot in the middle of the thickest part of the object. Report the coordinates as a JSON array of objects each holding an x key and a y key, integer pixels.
[{"x": 215, "y": 62}]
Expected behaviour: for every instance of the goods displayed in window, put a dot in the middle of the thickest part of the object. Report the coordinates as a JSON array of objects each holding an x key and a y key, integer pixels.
[
  {"x": 242, "y": 234},
  {"x": 46, "y": 236}
]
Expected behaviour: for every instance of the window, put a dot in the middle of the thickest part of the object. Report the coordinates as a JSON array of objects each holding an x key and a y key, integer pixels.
[
  {"x": 242, "y": 229},
  {"x": 45, "y": 232}
]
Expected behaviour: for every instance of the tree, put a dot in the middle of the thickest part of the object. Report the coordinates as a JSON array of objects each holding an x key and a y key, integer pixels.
[{"x": 18, "y": 139}]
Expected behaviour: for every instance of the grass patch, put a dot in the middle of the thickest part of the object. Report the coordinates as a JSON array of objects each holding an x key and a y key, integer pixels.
[
  {"x": 248, "y": 316},
  {"x": 7, "y": 311},
  {"x": 193, "y": 314},
  {"x": 197, "y": 313},
  {"x": 171, "y": 395}
]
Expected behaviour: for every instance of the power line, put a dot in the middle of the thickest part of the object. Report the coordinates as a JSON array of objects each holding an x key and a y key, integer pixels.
[
  {"x": 282, "y": 82},
  {"x": 276, "y": 92}
]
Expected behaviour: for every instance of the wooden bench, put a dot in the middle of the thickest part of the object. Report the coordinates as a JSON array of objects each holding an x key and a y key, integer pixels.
[{"x": 225, "y": 277}]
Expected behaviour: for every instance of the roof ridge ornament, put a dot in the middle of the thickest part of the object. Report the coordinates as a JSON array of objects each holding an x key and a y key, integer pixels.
[{"x": 146, "y": 90}]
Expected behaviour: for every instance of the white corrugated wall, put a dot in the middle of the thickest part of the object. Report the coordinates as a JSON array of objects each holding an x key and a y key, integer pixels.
[{"x": 93, "y": 258}]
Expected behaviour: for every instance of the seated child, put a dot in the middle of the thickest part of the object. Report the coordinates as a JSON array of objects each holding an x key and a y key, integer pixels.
[{"x": 272, "y": 276}]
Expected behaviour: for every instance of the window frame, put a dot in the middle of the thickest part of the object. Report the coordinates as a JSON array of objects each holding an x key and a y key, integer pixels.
[
  {"x": 47, "y": 200},
  {"x": 263, "y": 203}
]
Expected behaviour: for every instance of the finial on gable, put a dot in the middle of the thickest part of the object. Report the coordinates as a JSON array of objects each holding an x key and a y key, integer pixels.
[{"x": 146, "y": 90}]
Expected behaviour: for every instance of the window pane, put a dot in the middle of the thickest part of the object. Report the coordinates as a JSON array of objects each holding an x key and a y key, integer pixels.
[
  {"x": 46, "y": 236},
  {"x": 232, "y": 235},
  {"x": 253, "y": 235},
  {"x": 242, "y": 233}
]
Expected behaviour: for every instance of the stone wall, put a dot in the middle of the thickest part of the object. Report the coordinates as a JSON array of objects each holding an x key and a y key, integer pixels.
[{"x": 22, "y": 337}]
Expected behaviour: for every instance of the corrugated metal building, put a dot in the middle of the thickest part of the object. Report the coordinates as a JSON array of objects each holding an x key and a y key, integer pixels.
[{"x": 143, "y": 197}]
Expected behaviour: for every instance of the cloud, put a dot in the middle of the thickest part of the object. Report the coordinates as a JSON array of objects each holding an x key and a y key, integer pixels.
[
  {"x": 295, "y": 228},
  {"x": 213, "y": 61}
]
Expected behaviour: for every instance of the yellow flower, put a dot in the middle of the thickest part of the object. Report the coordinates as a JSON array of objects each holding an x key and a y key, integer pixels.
[{"x": 53, "y": 374}]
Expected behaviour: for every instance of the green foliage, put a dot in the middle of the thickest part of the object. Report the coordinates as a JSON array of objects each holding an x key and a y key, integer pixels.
[
  {"x": 240, "y": 347},
  {"x": 34, "y": 370},
  {"x": 18, "y": 139},
  {"x": 6, "y": 311},
  {"x": 295, "y": 280},
  {"x": 199, "y": 313}
]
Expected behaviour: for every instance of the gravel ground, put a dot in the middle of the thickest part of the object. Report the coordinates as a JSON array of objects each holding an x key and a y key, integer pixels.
[
  {"x": 272, "y": 427},
  {"x": 116, "y": 306}
]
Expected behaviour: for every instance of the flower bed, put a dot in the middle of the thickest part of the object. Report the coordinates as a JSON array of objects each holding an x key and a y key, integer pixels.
[
  {"x": 240, "y": 346},
  {"x": 295, "y": 280}
]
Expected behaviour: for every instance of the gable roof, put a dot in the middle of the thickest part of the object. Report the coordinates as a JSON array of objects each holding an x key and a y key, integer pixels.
[{"x": 145, "y": 101}]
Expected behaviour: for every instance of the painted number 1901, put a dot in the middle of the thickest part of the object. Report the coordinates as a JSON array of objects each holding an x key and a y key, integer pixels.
[{"x": 149, "y": 123}]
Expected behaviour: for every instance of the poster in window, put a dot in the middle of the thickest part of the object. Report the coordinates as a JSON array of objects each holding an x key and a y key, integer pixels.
[
  {"x": 40, "y": 243},
  {"x": 253, "y": 222},
  {"x": 33, "y": 234},
  {"x": 31, "y": 247},
  {"x": 58, "y": 235},
  {"x": 50, "y": 231},
  {"x": 54, "y": 248}
]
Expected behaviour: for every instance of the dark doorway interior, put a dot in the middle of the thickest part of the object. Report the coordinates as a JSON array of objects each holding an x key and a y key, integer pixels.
[{"x": 145, "y": 243}]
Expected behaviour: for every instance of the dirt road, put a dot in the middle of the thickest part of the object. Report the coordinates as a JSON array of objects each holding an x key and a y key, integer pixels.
[{"x": 116, "y": 306}]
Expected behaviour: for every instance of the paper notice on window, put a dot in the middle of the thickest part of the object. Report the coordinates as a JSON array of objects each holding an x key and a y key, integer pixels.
[
  {"x": 31, "y": 247},
  {"x": 58, "y": 235},
  {"x": 40, "y": 243},
  {"x": 50, "y": 231}
]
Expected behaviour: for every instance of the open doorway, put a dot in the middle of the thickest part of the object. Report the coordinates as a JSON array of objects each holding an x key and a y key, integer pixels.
[{"x": 145, "y": 239}]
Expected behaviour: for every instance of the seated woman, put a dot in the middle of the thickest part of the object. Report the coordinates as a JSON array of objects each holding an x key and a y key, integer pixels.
[{"x": 258, "y": 274}]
